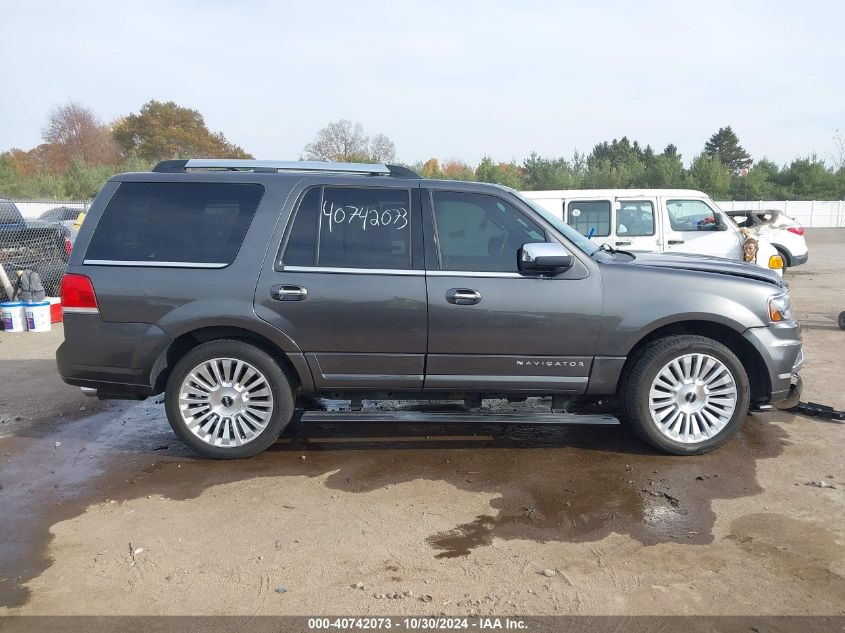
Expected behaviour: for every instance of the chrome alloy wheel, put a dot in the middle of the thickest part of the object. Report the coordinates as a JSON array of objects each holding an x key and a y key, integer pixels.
[
  {"x": 692, "y": 398},
  {"x": 225, "y": 402}
]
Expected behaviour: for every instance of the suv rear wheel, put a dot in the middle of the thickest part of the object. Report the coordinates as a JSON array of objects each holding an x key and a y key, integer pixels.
[
  {"x": 686, "y": 394},
  {"x": 228, "y": 399}
]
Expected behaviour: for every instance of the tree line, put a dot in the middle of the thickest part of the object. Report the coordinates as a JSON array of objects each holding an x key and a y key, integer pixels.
[
  {"x": 79, "y": 153},
  {"x": 723, "y": 170}
]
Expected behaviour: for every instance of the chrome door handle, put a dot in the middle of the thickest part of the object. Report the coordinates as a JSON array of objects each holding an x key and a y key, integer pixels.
[
  {"x": 463, "y": 296},
  {"x": 288, "y": 293},
  {"x": 676, "y": 242}
]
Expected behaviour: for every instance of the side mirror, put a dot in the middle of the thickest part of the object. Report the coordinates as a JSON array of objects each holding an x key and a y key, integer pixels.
[{"x": 539, "y": 257}]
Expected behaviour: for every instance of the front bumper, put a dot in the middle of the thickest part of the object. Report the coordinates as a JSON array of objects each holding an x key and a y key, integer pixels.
[
  {"x": 799, "y": 362},
  {"x": 780, "y": 347}
]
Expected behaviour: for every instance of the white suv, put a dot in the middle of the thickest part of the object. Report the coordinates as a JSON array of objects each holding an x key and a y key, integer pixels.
[
  {"x": 784, "y": 233},
  {"x": 653, "y": 221}
]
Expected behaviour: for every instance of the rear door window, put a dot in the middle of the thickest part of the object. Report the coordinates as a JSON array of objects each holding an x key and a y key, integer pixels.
[
  {"x": 635, "y": 218},
  {"x": 589, "y": 217},
  {"x": 351, "y": 227},
  {"x": 175, "y": 222}
]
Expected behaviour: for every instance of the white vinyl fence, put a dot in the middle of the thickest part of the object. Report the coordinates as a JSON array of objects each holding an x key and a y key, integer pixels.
[{"x": 810, "y": 213}]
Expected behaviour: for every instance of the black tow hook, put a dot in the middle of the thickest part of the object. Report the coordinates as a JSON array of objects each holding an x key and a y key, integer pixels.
[{"x": 816, "y": 410}]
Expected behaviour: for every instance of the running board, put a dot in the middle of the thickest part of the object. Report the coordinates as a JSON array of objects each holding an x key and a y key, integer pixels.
[{"x": 440, "y": 417}]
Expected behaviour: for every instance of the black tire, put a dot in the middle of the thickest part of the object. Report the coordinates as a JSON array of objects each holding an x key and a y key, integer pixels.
[
  {"x": 279, "y": 385},
  {"x": 644, "y": 369},
  {"x": 784, "y": 257},
  {"x": 842, "y": 320}
]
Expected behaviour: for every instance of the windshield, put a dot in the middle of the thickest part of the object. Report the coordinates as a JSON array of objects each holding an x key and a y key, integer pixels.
[{"x": 571, "y": 234}]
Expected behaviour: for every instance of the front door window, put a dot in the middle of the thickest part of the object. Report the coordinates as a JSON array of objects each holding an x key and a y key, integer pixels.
[
  {"x": 479, "y": 232},
  {"x": 695, "y": 227}
]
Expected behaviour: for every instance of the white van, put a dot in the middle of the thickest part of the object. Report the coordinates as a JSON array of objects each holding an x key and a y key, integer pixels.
[{"x": 653, "y": 221}]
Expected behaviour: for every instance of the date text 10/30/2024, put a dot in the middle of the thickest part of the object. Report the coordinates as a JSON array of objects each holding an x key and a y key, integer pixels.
[{"x": 418, "y": 623}]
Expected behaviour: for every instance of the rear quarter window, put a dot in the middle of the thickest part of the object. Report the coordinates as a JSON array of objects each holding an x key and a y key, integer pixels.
[{"x": 175, "y": 222}]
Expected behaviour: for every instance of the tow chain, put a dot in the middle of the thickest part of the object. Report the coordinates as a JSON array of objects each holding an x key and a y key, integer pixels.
[{"x": 816, "y": 410}]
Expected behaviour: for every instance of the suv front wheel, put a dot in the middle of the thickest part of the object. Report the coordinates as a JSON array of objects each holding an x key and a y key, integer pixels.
[
  {"x": 228, "y": 399},
  {"x": 686, "y": 394}
]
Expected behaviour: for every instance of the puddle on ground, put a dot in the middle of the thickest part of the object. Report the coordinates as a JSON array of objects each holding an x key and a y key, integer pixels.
[
  {"x": 553, "y": 483},
  {"x": 583, "y": 493},
  {"x": 798, "y": 549}
]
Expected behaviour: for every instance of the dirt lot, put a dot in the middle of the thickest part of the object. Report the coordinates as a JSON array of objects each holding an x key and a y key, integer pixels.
[{"x": 102, "y": 510}]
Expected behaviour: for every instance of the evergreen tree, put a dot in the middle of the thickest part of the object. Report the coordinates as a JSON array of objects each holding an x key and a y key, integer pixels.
[
  {"x": 542, "y": 173},
  {"x": 671, "y": 151},
  {"x": 724, "y": 146},
  {"x": 617, "y": 152}
]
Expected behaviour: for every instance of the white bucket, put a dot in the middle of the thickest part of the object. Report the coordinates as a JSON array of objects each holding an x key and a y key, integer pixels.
[
  {"x": 38, "y": 316},
  {"x": 14, "y": 317}
]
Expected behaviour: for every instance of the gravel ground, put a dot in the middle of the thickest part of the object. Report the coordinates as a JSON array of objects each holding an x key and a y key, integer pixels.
[{"x": 105, "y": 512}]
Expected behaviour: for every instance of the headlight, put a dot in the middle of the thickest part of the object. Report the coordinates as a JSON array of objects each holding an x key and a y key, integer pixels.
[{"x": 780, "y": 308}]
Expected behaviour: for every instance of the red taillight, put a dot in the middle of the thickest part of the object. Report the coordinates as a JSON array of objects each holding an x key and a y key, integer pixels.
[
  {"x": 798, "y": 230},
  {"x": 78, "y": 294},
  {"x": 68, "y": 247}
]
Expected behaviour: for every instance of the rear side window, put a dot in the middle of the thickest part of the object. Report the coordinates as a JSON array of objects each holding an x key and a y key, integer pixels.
[
  {"x": 590, "y": 217},
  {"x": 635, "y": 218},
  {"x": 175, "y": 222},
  {"x": 351, "y": 227}
]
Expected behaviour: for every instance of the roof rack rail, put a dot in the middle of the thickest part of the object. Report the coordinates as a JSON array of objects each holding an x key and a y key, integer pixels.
[{"x": 275, "y": 166}]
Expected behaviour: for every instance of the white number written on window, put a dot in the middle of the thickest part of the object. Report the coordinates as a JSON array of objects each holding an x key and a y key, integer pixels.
[{"x": 364, "y": 217}]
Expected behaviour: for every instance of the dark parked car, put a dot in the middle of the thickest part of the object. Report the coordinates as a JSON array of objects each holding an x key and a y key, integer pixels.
[
  {"x": 33, "y": 244},
  {"x": 67, "y": 217},
  {"x": 61, "y": 215},
  {"x": 242, "y": 289}
]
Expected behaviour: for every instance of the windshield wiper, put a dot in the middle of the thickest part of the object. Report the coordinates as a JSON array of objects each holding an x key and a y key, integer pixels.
[{"x": 607, "y": 248}]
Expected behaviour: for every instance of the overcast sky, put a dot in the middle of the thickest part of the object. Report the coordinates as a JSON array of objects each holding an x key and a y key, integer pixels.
[{"x": 450, "y": 79}]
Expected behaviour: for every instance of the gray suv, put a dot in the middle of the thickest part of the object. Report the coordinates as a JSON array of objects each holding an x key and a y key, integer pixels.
[{"x": 246, "y": 290}]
